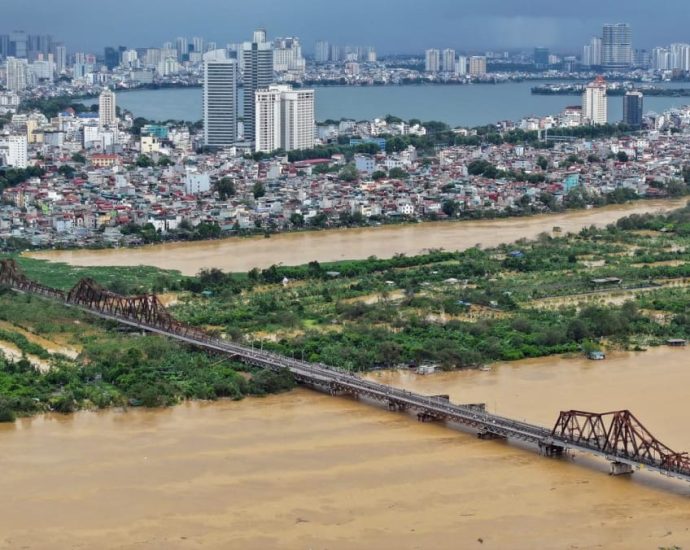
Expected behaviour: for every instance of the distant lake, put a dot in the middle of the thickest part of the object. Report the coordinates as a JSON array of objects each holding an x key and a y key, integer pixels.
[{"x": 466, "y": 105}]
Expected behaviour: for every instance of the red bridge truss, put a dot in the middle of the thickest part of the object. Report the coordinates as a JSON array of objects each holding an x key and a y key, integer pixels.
[{"x": 617, "y": 436}]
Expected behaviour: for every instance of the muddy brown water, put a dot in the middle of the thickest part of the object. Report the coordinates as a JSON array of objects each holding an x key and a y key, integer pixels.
[
  {"x": 309, "y": 471},
  {"x": 241, "y": 255}
]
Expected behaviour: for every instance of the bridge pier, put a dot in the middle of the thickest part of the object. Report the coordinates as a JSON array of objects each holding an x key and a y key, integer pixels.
[
  {"x": 396, "y": 406},
  {"x": 486, "y": 434},
  {"x": 620, "y": 469},
  {"x": 549, "y": 449},
  {"x": 425, "y": 417}
]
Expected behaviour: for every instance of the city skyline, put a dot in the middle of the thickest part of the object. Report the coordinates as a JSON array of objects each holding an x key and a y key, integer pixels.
[{"x": 410, "y": 27}]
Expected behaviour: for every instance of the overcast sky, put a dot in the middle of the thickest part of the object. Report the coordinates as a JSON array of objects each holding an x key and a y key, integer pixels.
[{"x": 390, "y": 25}]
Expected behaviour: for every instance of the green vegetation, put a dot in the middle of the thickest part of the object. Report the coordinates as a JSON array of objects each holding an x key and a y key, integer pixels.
[
  {"x": 625, "y": 286},
  {"x": 113, "y": 369}
]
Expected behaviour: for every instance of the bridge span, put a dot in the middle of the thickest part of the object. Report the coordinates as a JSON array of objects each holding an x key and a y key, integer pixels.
[{"x": 615, "y": 436}]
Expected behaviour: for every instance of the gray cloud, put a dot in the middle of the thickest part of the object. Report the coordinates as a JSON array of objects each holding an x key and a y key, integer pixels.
[{"x": 390, "y": 25}]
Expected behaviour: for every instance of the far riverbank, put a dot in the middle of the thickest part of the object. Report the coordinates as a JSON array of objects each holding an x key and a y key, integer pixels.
[{"x": 241, "y": 255}]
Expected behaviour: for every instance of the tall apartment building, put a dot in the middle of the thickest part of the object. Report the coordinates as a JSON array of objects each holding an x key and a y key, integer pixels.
[
  {"x": 448, "y": 61},
  {"x": 432, "y": 61},
  {"x": 13, "y": 151},
  {"x": 322, "y": 52},
  {"x": 60, "y": 58},
  {"x": 107, "y": 109},
  {"x": 258, "y": 74},
  {"x": 461, "y": 65},
  {"x": 633, "y": 109},
  {"x": 595, "y": 103},
  {"x": 284, "y": 119},
  {"x": 287, "y": 55},
  {"x": 220, "y": 99},
  {"x": 17, "y": 74},
  {"x": 616, "y": 46},
  {"x": 477, "y": 65}
]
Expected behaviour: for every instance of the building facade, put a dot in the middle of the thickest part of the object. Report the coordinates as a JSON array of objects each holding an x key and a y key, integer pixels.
[
  {"x": 258, "y": 74},
  {"x": 220, "y": 100},
  {"x": 616, "y": 46},
  {"x": 633, "y": 109},
  {"x": 477, "y": 65},
  {"x": 107, "y": 109},
  {"x": 432, "y": 62},
  {"x": 284, "y": 119},
  {"x": 595, "y": 103}
]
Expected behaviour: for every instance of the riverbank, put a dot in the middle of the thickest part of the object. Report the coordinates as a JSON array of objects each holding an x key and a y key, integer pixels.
[
  {"x": 244, "y": 254},
  {"x": 305, "y": 469}
]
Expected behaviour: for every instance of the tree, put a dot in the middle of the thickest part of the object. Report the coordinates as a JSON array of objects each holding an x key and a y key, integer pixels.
[
  {"x": 297, "y": 219},
  {"x": 258, "y": 190},
  {"x": 542, "y": 163},
  {"x": 165, "y": 161},
  {"x": 67, "y": 171},
  {"x": 225, "y": 188},
  {"x": 144, "y": 161},
  {"x": 348, "y": 173},
  {"x": 397, "y": 173},
  {"x": 622, "y": 156},
  {"x": 78, "y": 157},
  {"x": 378, "y": 175},
  {"x": 450, "y": 208}
]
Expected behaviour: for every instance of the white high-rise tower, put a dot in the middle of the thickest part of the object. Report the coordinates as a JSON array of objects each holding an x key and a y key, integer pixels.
[
  {"x": 220, "y": 99},
  {"x": 595, "y": 102},
  {"x": 107, "y": 109}
]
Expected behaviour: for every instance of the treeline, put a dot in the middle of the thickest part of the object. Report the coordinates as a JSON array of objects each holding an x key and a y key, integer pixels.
[
  {"x": 118, "y": 371},
  {"x": 11, "y": 177}
]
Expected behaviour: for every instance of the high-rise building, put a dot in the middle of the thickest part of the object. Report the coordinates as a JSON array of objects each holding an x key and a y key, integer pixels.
[
  {"x": 477, "y": 65},
  {"x": 679, "y": 57},
  {"x": 448, "y": 61},
  {"x": 541, "y": 57},
  {"x": 267, "y": 119},
  {"x": 258, "y": 74},
  {"x": 287, "y": 56},
  {"x": 433, "y": 61},
  {"x": 220, "y": 99},
  {"x": 595, "y": 103},
  {"x": 461, "y": 65},
  {"x": 13, "y": 150},
  {"x": 616, "y": 46},
  {"x": 19, "y": 44},
  {"x": 198, "y": 44},
  {"x": 260, "y": 36},
  {"x": 60, "y": 58},
  {"x": 17, "y": 74},
  {"x": 297, "y": 119},
  {"x": 591, "y": 55},
  {"x": 107, "y": 110},
  {"x": 284, "y": 119},
  {"x": 322, "y": 52},
  {"x": 633, "y": 109},
  {"x": 111, "y": 56},
  {"x": 182, "y": 47},
  {"x": 4, "y": 45}
]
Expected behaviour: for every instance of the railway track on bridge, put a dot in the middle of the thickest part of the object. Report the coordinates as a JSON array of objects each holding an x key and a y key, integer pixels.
[{"x": 616, "y": 436}]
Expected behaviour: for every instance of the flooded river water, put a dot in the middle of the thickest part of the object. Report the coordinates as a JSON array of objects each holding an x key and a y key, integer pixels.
[
  {"x": 385, "y": 241},
  {"x": 309, "y": 471}
]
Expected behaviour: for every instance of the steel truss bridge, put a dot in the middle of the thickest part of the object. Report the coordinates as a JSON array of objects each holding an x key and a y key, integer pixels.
[{"x": 616, "y": 436}]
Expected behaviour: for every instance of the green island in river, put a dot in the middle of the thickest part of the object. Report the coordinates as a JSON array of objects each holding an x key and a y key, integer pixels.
[{"x": 625, "y": 286}]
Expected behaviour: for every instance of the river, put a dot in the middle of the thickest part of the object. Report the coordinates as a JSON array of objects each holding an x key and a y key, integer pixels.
[
  {"x": 305, "y": 470},
  {"x": 243, "y": 254},
  {"x": 467, "y": 105}
]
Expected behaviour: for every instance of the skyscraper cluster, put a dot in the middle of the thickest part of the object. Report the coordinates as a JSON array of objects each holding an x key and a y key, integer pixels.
[
  {"x": 613, "y": 50},
  {"x": 274, "y": 117},
  {"x": 446, "y": 61},
  {"x": 325, "y": 52}
]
